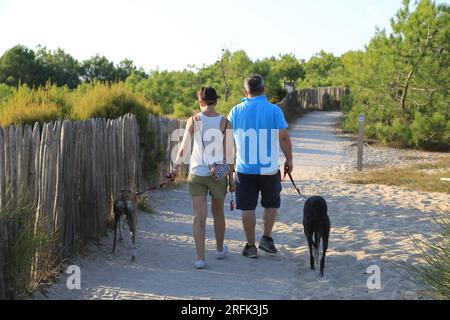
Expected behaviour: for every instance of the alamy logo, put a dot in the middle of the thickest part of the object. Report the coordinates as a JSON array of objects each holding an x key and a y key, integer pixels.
[
  {"x": 255, "y": 146},
  {"x": 374, "y": 281},
  {"x": 74, "y": 280}
]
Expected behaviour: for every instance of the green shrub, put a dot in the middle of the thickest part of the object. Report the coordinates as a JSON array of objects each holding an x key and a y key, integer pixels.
[
  {"x": 5, "y": 92},
  {"x": 111, "y": 101},
  {"x": 181, "y": 111},
  {"x": 27, "y": 106},
  {"x": 25, "y": 245},
  {"x": 430, "y": 131}
]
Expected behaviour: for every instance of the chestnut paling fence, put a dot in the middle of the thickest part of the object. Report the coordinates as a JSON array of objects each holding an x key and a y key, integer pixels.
[
  {"x": 57, "y": 185},
  {"x": 323, "y": 98}
]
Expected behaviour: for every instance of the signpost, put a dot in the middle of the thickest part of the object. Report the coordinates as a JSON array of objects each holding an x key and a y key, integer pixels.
[{"x": 360, "y": 142}]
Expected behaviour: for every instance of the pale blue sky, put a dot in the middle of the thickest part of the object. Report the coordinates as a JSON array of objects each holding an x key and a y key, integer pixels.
[{"x": 170, "y": 34}]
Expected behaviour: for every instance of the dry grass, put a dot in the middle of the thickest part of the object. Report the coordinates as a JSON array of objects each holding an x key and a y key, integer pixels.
[
  {"x": 143, "y": 203},
  {"x": 419, "y": 176},
  {"x": 45, "y": 104},
  {"x": 110, "y": 102},
  {"x": 432, "y": 275},
  {"x": 29, "y": 260}
]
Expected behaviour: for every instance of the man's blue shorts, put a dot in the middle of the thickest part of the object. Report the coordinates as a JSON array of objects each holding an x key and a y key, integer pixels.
[{"x": 248, "y": 187}]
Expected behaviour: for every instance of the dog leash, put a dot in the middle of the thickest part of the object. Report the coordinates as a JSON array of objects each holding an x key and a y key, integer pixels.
[
  {"x": 296, "y": 188},
  {"x": 159, "y": 186},
  {"x": 151, "y": 189}
]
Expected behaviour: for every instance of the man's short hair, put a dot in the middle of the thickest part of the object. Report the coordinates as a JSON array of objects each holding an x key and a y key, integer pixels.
[{"x": 254, "y": 84}]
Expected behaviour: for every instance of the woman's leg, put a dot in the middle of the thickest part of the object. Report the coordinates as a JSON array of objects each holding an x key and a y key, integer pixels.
[
  {"x": 219, "y": 222},
  {"x": 199, "y": 226}
]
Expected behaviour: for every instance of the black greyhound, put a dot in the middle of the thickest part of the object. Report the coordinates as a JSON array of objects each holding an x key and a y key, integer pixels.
[
  {"x": 316, "y": 224},
  {"x": 125, "y": 206}
]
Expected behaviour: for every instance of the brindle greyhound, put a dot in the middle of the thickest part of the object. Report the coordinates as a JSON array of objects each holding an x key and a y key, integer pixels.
[{"x": 125, "y": 206}]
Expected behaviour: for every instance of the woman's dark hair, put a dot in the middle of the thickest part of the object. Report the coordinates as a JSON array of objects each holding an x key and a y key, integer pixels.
[{"x": 207, "y": 94}]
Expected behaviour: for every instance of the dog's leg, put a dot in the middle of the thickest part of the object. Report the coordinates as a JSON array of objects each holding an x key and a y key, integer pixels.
[
  {"x": 120, "y": 228},
  {"x": 115, "y": 234},
  {"x": 322, "y": 261},
  {"x": 316, "y": 248},
  {"x": 132, "y": 224},
  {"x": 310, "y": 245}
]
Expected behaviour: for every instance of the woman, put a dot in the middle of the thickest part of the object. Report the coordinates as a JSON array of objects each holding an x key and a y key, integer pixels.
[{"x": 206, "y": 174}]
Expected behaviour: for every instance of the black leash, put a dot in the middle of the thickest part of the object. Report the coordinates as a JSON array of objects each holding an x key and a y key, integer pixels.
[{"x": 296, "y": 188}]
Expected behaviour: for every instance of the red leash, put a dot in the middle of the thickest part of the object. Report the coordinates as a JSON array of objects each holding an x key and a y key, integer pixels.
[
  {"x": 159, "y": 186},
  {"x": 151, "y": 189}
]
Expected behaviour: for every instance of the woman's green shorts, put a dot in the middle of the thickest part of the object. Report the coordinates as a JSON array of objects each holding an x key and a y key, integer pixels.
[{"x": 200, "y": 186}]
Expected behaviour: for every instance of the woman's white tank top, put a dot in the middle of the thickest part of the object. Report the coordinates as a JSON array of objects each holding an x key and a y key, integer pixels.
[{"x": 212, "y": 151}]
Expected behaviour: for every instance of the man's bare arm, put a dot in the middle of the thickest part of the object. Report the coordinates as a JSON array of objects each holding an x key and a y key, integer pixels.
[{"x": 286, "y": 147}]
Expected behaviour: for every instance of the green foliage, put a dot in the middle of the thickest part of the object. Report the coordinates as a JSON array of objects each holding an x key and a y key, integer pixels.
[
  {"x": 401, "y": 81},
  {"x": 176, "y": 91},
  {"x": 111, "y": 101},
  {"x": 319, "y": 70},
  {"x": 19, "y": 211},
  {"x": 19, "y": 65},
  {"x": 44, "y": 104},
  {"x": 180, "y": 111},
  {"x": 5, "y": 92},
  {"x": 115, "y": 100},
  {"x": 59, "y": 67},
  {"x": 166, "y": 88},
  {"x": 98, "y": 68}
]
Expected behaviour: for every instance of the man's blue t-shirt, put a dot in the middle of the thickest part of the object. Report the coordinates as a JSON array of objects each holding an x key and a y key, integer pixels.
[{"x": 256, "y": 124}]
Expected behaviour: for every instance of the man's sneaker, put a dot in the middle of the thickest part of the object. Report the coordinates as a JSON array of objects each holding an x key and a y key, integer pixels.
[
  {"x": 267, "y": 245},
  {"x": 200, "y": 264},
  {"x": 221, "y": 254},
  {"x": 250, "y": 252}
]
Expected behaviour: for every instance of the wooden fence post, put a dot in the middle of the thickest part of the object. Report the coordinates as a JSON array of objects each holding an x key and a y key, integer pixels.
[{"x": 360, "y": 142}]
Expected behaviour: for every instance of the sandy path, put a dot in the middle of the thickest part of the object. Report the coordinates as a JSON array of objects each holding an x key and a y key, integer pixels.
[{"x": 370, "y": 225}]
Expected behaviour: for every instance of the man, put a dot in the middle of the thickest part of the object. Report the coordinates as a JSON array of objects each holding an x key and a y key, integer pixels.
[{"x": 259, "y": 129}]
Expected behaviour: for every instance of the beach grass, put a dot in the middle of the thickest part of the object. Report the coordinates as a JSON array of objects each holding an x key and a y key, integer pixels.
[
  {"x": 432, "y": 274},
  {"x": 418, "y": 176}
]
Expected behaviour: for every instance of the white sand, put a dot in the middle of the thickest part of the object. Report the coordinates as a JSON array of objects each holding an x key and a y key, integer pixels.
[{"x": 370, "y": 225}]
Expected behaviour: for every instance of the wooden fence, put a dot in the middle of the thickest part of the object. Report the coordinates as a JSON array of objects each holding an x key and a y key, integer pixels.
[
  {"x": 71, "y": 171},
  {"x": 325, "y": 98}
]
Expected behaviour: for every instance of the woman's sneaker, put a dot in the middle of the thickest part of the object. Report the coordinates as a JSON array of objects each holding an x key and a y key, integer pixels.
[
  {"x": 221, "y": 254},
  {"x": 250, "y": 252},
  {"x": 200, "y": 264}
]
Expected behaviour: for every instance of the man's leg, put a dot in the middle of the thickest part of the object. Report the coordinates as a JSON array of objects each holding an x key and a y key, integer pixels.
[
  {"x": 199, "y": 225},
  {"x": 249, "y": 223},
  {"x": 247, "y": 192},
  {"x": 270, "y": 215},
  {"x": 271, "y": 200}
]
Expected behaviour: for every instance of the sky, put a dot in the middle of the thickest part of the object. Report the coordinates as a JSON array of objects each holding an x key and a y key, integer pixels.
[{"x": 172, "y": 34}]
